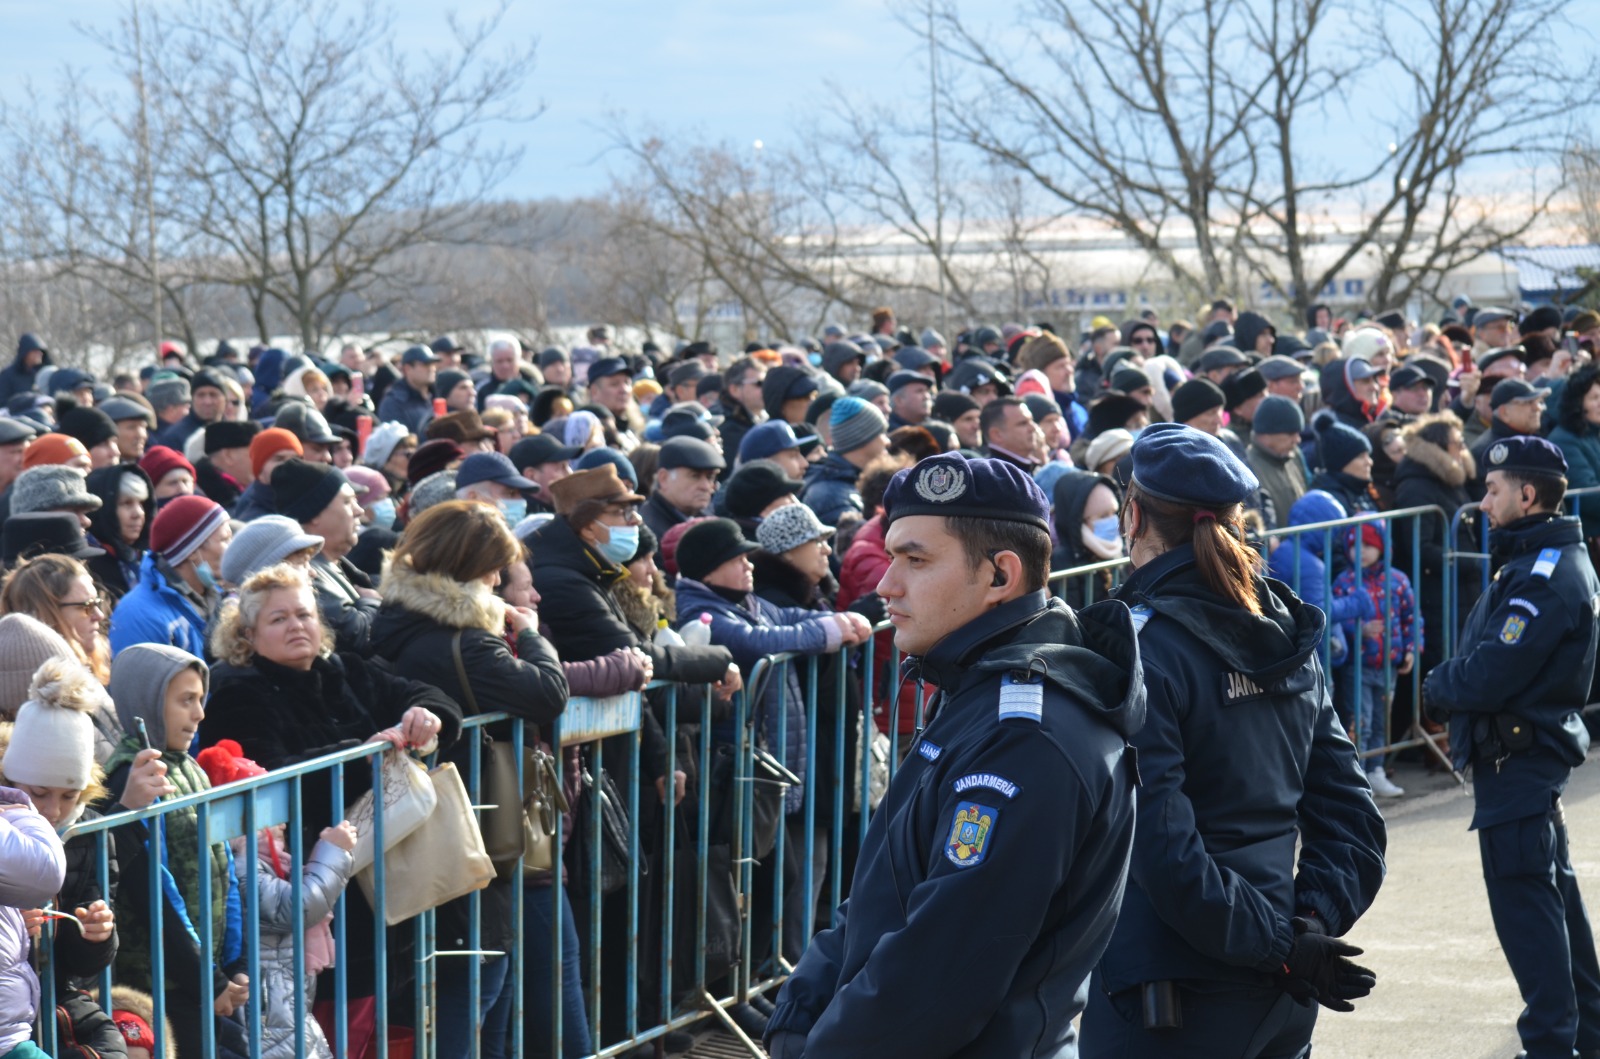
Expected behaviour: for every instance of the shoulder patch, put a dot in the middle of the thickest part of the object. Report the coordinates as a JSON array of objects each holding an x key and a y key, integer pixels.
[
  {"x": 986, "y": 779},
  {"x": 971, "y": 834},
  {"x": 1545, "y": 565},
  {"x": 1511, "y": 632},
  {"x": 929, "y": 750},
  {"x": 1236, "y": 687},
  {"x": 1141, "y": 616},
  {"x": 1021, "y": 701},
  {"x": 1518, "y": 601}
]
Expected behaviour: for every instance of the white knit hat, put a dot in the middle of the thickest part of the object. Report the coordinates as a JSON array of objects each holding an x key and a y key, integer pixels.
[{"x": 52, "y": 742}]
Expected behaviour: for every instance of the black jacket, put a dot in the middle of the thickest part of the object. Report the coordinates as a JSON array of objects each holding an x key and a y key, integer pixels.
[
  {"x": 991, "y": 874},
  {"x": 1428, "y": 476},
  {"x": 222, "y": 488},
  {"x": 17, "y": 379},
  {"x": 118, "y": 569},
  {"x": 736, "y": 423},
  {"x": 418, "y": 625},
  {"x": 1215, "y": 879},
  {"x": 1070, "y": 496},
  {"x": 1527, "y": 651},
  {"x": 660, "y": 516}
]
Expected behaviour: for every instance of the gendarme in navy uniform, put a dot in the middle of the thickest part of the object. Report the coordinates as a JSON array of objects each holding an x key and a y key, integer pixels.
[
  {"x": 991, "y": 874},
  {"x": 1226, "y": 935},
  {"x": 1513, "y": 692}
]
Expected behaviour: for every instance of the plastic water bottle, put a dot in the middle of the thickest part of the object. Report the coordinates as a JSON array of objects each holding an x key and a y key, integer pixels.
[
  {"x": 697, "y": 633},
  {"x": 666, "y": 635}
]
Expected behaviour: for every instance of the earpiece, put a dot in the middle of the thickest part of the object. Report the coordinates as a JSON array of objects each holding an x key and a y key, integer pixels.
[{"x": 999, "y": 578}]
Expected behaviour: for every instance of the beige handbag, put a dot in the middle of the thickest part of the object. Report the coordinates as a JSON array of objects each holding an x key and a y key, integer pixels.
[
  {"x": 545, "y": 802},
  {"x": 408, "y": 801},
  {"x": 438, "y": 862}
]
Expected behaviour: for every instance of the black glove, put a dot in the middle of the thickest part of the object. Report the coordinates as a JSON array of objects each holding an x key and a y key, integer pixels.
[
  {"x": 786, "y": 1044},
  {"x": 1318, "y": 968},
  {"x": 871, "y": 607}
]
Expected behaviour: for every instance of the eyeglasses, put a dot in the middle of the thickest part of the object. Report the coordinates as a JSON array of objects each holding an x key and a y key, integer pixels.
[
  {"x": 92, "y": 603},
  {"x": 628, "y": 513}
]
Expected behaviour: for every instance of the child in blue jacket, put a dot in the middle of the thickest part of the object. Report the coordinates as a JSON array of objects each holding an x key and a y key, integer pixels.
[{"x": 1390, "y": 642}]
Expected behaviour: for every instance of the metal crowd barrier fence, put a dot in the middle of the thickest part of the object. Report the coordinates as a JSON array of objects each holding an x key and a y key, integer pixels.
[{"x": 704, "y": 867}]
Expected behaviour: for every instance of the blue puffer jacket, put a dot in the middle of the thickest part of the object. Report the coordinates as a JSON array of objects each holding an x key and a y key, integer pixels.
[
  {"x": 754, "y": 629},
  {"x": 1298, "y": 564},
  {"x": 155, "y": 612},
  {"x": 831, "y": 488},
  {"x": 1389, "y": 592}
]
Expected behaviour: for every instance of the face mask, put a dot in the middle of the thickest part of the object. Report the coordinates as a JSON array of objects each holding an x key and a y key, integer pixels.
[
  {"x": 815, "y": 359},
  {"x": 514, "y": 511},
  {"x": 203, "y": 572},
  {"x": 623, "y": 543},
  {"x": 383, "y": 512},
  {"x": 1108, "y": 529},
  {"x": 1136, "y": 433}
]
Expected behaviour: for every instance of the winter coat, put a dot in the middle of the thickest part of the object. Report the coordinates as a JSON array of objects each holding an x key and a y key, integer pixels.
[
  {"x": 423, "y": 618},
  {"x": 1015, "y": 826},
  {"x": 281, "y": 716},
  {"x": 1428, "y": 476},
  {"x": 322, "y": 879},
  {"x": 210, "y": 480},
  {"x": 1390, "y": 593},
  {"x": 254, "y": 502},
  {"x": 183, "y": 864},
  {"x": 831, "y": 489},
  {"x": 1479, "y": 447},
  {"x": 118, "y": 570},
  {"x": 753, "y": 629},
  {"x": 175, "y": 435},
  {"x": 1069, "y": 497},
  {"x": 16, "y": 378},
  {"x": 1298, "y": 563},
  {"x": 781, "y": 584},
  {"x": 34, "y": 866},
  {"x": 402, "y": 404},
  {"x": 736, "y": 423},
  {"x": 156, "y": 611},
  {"x": 1224, "y": 857},
  {"x": 660, "y": 516},
  {"x": 1283, "y": 478},
  {"x": 1581, "y": 447},
  {"x": 85, "y": 1031},
  {"x": 864, "y": 565},
  {"x": 344, "y": 610}
]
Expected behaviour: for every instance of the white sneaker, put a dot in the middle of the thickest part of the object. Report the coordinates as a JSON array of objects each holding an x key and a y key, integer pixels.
[{"x": 1382, "y": 785}]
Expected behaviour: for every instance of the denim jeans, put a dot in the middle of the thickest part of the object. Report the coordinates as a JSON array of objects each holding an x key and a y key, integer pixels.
[
  {"x": 536, "y": 984},
  {"x": 454, "y": 991},
  {"x": 1373, "y": 731}
]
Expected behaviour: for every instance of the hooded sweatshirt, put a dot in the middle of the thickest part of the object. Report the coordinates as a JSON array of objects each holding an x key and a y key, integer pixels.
[
  {"x": 118, "y": 569},
  {"x": 140, "y": 677}
]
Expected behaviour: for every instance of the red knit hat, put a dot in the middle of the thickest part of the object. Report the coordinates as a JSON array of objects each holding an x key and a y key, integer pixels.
[
  {"x": 270, "y": 442},
  {"x": 669, "y": 545},
  {"x": 1372, "y": 536},
  {"x": 160, "y": 461},
  {"x": 52, "y": 448},
  {"x": 183, "y": 525},
  {"x": 226, "y": 762}
]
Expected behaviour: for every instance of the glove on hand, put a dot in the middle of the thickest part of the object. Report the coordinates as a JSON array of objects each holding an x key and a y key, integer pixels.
[
  {"x": 1319, "y": 968},
  {"x": 871, "y": 607}
]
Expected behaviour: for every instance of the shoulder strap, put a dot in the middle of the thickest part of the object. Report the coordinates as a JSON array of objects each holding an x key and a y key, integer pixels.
[{"x": 461, "y": 673}]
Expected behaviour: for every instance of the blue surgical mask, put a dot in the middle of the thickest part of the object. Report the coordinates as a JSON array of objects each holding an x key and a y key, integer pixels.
[
  {"x": 623, "y": 543},
  {"x": 1136, "y": 433},
  {"x": 1107, "y": 529},
  {"x": 383, "y": 513},
  {"x": 514, "y": 511},
  {"x": 202, "y": 570},
  {"x": 815, "y": 359}
]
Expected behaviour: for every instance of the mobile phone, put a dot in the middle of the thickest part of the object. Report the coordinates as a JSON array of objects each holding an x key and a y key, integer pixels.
[{"x": 144, "y": 733}]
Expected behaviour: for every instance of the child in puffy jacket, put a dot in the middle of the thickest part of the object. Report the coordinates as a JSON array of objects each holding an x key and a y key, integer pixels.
[
  {"x": 1389, "y": 642},
  {"x": 32, "y": 865},
  {"x": 322, "y": 879}
]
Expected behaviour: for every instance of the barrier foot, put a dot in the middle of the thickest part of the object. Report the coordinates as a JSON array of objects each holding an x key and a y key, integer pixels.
[
  {"x": 755, "y": 1049},
  {"x": 1430, "y": 740}
]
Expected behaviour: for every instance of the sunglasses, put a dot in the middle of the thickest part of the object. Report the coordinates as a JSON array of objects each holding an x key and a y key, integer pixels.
[{"x": 92, "y": 603}]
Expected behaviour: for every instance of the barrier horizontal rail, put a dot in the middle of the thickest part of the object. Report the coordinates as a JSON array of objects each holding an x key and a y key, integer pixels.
[{"x": 635, "y": 935}]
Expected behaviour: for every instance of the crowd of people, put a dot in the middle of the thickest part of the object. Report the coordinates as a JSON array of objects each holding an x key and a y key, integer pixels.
[{"x": 233, "y": 561}]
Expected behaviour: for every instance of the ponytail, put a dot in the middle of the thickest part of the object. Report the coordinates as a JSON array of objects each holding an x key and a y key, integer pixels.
[{"x": 1228, "y": 566}]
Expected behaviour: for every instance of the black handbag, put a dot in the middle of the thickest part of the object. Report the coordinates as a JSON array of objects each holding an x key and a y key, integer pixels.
[
  {"x": 724, "y": 931},
  {"x": 766, "y": 800},
  {"x": 613, "y": 850}
]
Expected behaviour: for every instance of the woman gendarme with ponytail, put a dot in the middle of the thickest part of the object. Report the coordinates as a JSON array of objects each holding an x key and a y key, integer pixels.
[{"x": 1226, "y": 945}]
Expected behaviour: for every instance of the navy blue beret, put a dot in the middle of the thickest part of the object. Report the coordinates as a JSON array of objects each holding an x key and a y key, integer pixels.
[
  {"x": 952, "y": 485},
  {"x": 1182, "y": 465},
  {"x": 1525, "y": 455}
]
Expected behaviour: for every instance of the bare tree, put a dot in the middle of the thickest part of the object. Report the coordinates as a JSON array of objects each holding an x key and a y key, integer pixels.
[{"x": 313, "y": 152}]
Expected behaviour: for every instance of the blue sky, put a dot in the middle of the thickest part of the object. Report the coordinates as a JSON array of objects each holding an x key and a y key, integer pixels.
[{"x": 738, "y": 70}]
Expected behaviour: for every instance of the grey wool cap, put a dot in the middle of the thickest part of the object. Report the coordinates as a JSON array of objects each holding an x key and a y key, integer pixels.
[{"x": 52, "y": 487}]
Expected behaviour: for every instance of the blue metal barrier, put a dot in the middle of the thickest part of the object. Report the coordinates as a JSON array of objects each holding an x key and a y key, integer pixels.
[{"x": 636, "y": 928}]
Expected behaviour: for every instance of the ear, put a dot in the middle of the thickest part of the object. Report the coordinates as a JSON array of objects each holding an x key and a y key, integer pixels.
[
  {"x": 1007, "y": 583},
  {"x": 1132, "y": 519}
]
